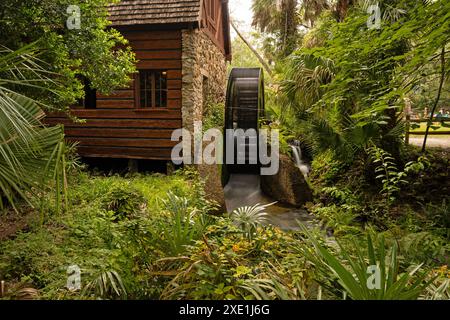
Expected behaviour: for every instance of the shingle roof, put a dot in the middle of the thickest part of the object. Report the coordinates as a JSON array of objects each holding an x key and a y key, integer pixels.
[{"x": 131, "y": 12}]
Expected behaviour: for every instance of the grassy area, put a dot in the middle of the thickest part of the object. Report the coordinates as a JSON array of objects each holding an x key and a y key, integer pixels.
[
  {"x": 436, "y": 127},
  {"x": 86, "y": 235},
  {"x": 417, "y": 135}
]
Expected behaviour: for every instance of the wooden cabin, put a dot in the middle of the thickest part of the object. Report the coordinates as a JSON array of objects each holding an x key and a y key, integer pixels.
[{"x": 182, "y": 47}]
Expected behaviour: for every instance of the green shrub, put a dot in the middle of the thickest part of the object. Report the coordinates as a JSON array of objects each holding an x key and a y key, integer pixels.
[
  {"x": 325, "y": 168},
  {"x": 438, "y": 216},
  {"x": 213, "y": 116},
  {"x": 425, "y": 247},
  {"x": 225, "y": 265},
  {"x": 96, "y": 239},
  {"x": 388, "y": 173},
  {"x": 107, "y": 285},
  {"x": 124, "y": 201},
  {"x": 350, "y": 270},
  {"x": 341, "y": 220},
  {"x": 182, "y": 224}
]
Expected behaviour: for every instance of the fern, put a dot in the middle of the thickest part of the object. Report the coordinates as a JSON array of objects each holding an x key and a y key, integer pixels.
[{"x": 388, "y": 173}]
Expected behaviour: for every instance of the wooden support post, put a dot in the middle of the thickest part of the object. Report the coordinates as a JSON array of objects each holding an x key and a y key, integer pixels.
[
  {"x": 170, "y": 168},
  {"x": 133, "y": 165}
]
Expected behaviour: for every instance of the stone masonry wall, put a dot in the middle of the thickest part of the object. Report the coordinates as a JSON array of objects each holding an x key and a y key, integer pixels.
[{"x": 203, "y": 60}]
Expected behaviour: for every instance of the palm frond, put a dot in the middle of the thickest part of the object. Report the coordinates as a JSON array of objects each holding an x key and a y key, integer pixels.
[
  {"x": 248, "y": 218},
  {"x": 31, "y": 155}
]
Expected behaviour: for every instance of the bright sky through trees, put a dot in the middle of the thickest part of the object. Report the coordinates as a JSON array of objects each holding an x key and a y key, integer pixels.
[{"x": 241, "y": 11}]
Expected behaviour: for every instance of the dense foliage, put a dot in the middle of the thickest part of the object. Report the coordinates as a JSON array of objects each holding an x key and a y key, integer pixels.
[
  {"x": 42, "y": 62},
  {"x": 31, "y": 155},
  {"x": 94, "y": 51},
  {"x": 338, "y": 87},
  {"x": 164, "y": 246},
  {"x": 348, "y": 89}
]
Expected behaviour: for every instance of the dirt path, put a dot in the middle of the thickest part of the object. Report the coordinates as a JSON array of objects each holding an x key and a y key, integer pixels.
[
  {"x": 432, "y": 141},
  {"x": 11, "y": 223}
]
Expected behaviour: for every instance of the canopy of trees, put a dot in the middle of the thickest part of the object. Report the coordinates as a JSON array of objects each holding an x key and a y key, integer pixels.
[
  {"x": 345, "y": 83},
  {"x": 94, "y": 51}
]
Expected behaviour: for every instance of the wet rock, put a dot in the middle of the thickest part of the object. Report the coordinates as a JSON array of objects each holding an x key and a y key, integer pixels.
[{"x": 288, "y": 185}]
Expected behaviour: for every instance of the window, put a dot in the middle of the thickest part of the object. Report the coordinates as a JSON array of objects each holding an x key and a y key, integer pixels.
[
  {"x": 90, "y": 95},
  {"x": 151, "y": 89}
]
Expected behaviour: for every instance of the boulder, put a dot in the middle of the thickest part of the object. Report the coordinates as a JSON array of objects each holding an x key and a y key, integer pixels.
[{"x": 288, "y": 186}]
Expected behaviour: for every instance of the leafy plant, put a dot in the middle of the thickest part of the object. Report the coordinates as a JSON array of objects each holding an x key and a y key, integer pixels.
[
  {"x": 439, "y": 216},
  {"x": 248, "y": 218},
  {"x": 31, "y": 155},
  {"x": 213, "y": 117},
  {"x": 325, "y": 168},
  {"x": 124, "y": 201},
  {"x": 284, "y": 136},
  {"x": 273, "y": 287},
  {"x": 182, "y": 226},
  {"x": 340, "y": 219},
  {"x": 440, "y": 288},
  {"x": 387, "y": 171},
  {"x": 198, "y": 191},
  {"x": 340, "y": 194},
  {"x": 389, "y": 174},
  {"x": 425, "y": 246},
  {"x": 107, "y": 285},
  {"x": 352, "y": 276},
  {"x": 73, "y": 160}
]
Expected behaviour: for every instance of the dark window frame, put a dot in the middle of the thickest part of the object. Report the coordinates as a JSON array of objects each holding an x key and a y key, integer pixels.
[
  {"x": 89, "y": 101},
  {"x": 156, "y": 97}
]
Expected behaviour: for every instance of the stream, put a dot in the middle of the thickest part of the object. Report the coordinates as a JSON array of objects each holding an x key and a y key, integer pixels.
[{"x": 245, "y": 190}]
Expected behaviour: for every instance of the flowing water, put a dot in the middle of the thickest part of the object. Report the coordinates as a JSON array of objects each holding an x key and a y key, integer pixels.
[
  {"x": 298, "y": 158},
  {"x": 245, "y": 190}
]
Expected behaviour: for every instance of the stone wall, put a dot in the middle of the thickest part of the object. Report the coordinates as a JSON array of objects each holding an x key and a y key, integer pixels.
[
  {"x": 204, "y": 80},
  {"x": 201, "y": 60}
]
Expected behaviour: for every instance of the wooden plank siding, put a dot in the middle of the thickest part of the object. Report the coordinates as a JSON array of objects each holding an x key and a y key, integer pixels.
[
  {"x": 215, "y": 23},
  {"x": 116, "y": 128}
]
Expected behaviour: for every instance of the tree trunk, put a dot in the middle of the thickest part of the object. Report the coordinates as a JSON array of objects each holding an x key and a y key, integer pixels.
[
  {"x": 441, "y": 84},
  {"x": 261, "y": 59}
]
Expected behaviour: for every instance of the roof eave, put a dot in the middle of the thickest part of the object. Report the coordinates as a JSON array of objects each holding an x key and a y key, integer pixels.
[{"x": 226, "y": 30}]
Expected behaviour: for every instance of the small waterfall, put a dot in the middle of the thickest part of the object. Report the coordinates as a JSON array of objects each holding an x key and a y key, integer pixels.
[{"x": 298, "y": 158}]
